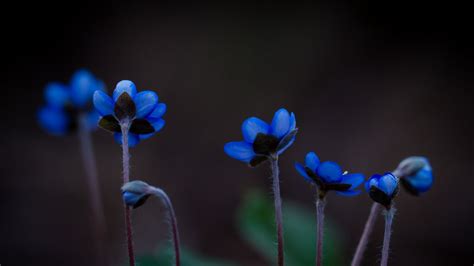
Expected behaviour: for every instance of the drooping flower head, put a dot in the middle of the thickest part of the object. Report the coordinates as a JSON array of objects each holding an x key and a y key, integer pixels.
[
  {"x": 65, "y": 102},
  {"x": 382, "y": 188},
  {"x": 263, "y": 140},
  {"x": 416, "y": 175},
  {"x": 135, "y": 193},
  {"x": 329, "y": 176},
  {"x": 140, "y": 112}
]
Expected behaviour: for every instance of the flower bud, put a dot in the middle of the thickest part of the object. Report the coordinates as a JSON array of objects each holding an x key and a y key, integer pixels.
[
  {"x": 382, "y": 188},
  {"x": 416, "y": 174},
  {"x": 135, "y": 193}
]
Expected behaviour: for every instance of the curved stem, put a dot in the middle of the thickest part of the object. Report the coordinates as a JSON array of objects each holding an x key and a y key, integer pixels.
[
  {"x": 320, "y": 204},
  {"x": 369, "y": 226},
  {"x": 90, "y": 166},
  {"x": 278, "y": 213},
  {"x": 386, "y": 238},
  {"x": 125, "y": 126},
  {"x": 174, "y": 223}
]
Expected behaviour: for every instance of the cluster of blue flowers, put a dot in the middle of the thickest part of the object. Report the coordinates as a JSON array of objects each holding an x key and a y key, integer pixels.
[
  {"x": 261, "y": 141},
  {"x": 266, "y": 142},
  {"x": 65, "y": 102},
  {"x": 140, "y": 112},
  {"x": 134, "y": 116}
]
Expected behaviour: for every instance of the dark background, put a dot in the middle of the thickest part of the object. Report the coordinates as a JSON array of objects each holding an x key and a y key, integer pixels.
[{"x": 369, "y": 84}]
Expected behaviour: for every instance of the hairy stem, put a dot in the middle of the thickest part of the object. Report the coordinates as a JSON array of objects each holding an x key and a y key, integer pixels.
[
  {"x": 369, "y": 226},
  {"x": 125, "y": 126},
  {"x": 90, "y": 166},
  {"x": 386, "y": 237},
  {"x": 320, "y": 204},
  {"x": 174, "y": 223},
  {"x": 278, "y": 213}
]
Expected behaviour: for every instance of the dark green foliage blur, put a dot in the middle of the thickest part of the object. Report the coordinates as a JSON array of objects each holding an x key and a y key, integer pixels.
[
  {"x": 255, "y": 221},
  {"x": 188, "y": 258}
]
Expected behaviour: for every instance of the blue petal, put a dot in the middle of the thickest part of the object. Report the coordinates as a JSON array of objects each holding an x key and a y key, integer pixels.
[
  {"x": 131, "y": 198},
  {"x": 124, "y": 86},
  {"x": 312, "y": 161},
  {"x": 83, "y": 86},
  {"x": 348, "y": 193},
  {"x": 280, "y": 151},
  {"x": 56, "y": 94},
  {"x": 146, "y": 136},
  {"x": 103, "y": 103},
  {"x": 54, "y": 121},
  {"x": 292, "y": 122},
  {"x": 158, "y": 125},
  {"x": 280, "y": 123},
  {"x": 300, "y": 168},
  {"x": 423, "y": 180},
  {"x": 133, "y": 139},
  {"x": 252, "y": 126},
  {"x": 145, "y": 102},
  {"x": 239, "y": 150},
  {"x": 330, "y": 172},
  {"x": 388, "y": 183},
  {"x": 373, "y": 181},
  {"x": 353, "y": 179},
  {"x": 92, "y": 120},
  {"x": 157, "y": 113}
]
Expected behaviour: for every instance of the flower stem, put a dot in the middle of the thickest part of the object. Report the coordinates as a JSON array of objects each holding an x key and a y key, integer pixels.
[
  {"x": 125, "y": 126},
  {"x": 174, "y": 223},
  {"x": 278, "y": 213},
  {"x": 388, "y": 232},
  {"x": 90, "y": 166},
  {"x": 320, "y": 204},
  {"x": 369, "y": 226}
]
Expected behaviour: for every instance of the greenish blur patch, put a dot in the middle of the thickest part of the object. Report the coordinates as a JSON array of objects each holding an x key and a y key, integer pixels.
[
  {"x": 165, "y": 257},
  {"x": 257, "y": 226}
]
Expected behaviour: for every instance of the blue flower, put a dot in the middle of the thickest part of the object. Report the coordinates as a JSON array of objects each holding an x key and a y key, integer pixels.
[
  {"x": 135, "y": 193},
  {"x": 382, "y": 188},
  {"x": 262, "y": 140},
  {"x": 65, "y": 103},
  {"x": 139, "y": 112},
  {"x": 416, "y": 174},
  {"x": 329, "y": 176}
]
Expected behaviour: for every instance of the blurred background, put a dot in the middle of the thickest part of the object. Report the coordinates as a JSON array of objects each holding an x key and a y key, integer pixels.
[{"x": 370, "y": 84}]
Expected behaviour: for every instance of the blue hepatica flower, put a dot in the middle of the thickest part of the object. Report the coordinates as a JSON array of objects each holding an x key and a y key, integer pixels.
[
  {"x": 261, "y": 140},
  {"x": 417, "y": 175},
  {"x": 66, "y": 102},
  {"x": 329, "y": 176},
  {"x": 140, "y": 112},
  {"x": 382, "y": 188}
]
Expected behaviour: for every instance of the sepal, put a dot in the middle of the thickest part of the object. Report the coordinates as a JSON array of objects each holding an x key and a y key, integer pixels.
[
  {"x": 125, "y": 107},
  {"x": 257, "y": 160},
  {"x": 109, "y": 123},
  {"x": 141, "y": 126},
  {"x": 265, "y": 144}
]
